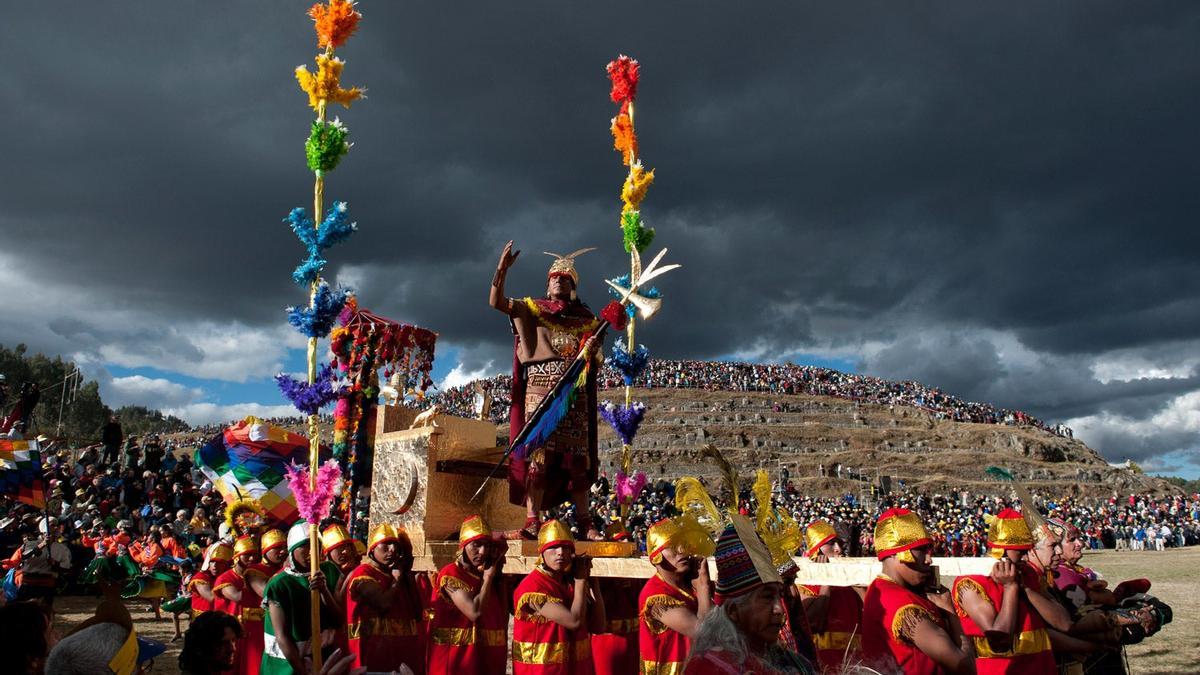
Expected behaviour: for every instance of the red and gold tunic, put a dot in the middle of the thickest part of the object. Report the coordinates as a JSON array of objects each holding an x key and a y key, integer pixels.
[
  {"x": 1030, "y": 651},
  {"x": 541, "y": 646},
  {"x": 662, "y": 650},
  {"x": 199, "y": 603},
  {"x": 888, "y": 606},
  {"x": 458, "y": 646},
  {"x": 383, "y": 641},
  {"x": 615, "y": 651},
  {"x": 843, "y": 630},
  {"x": 249, "y": 612}
]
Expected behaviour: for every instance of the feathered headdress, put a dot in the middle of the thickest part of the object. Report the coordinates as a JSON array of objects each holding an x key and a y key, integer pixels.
[
  {"x": 692, "y": 499},
  {"x": 565, "y": 264},
  {"x": 728, "y": 473},
  {"x": 778, "y": 529},
  {"x": 245, "y": 516}
]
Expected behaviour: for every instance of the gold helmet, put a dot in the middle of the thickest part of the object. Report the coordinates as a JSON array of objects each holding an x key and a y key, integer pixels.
[
  {"x": 384, "y": 532},
  {"x": 565, "y": 264},
  {"x": 1008, "y": 531},
  {"x": 473, "y": 529},
  {"x": 245, "y": 544},
  {"x": 817, "y": 534},
  {"x": 683, "y": 532},
  {"x": 273, "y": 539},
  {"x": 554, "y": 533},
  {"x": 333, "y": 537},
  {"x": 897, "y": 532},
  {"x": 220, "y": 551}
]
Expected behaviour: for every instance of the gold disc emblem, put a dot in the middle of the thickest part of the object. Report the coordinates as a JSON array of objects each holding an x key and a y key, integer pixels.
[{"x": 565, "y": 344}]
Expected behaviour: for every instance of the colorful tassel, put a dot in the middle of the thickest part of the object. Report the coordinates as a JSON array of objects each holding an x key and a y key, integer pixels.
[
  {"x": 317, "y": 319},
  {"x": 628, "y": 489},
  {"x": 555, "y": 411},
  {"x": 629, "y": 365},
  {"x": 314, "y": 504},
  {"x": 326, "y": 83},
  {"x": 634, "y": 233},
  {"x": 334, "y": 23},
  {"x": 624, "y": 419},
  {"x": 309, "y": 398},
  {"x": 636, "y": 184},
  {"x": 624, "y": 140},
  {"x": 614, "y": 314},
  {"x": 326, "y": 145},
  {"x": 624, "y": 74}
]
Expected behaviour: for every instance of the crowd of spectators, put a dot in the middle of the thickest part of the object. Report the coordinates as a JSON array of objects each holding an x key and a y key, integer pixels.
[{"x": 762, "y": 377}]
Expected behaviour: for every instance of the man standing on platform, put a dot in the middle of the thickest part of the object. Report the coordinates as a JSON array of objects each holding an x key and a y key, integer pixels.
[
  {"x": 469, "y": 633},
  {"x": 834, "y": 612},
  {"x": 383, "y": 609},
  {"x": 550, "y": 332},
  {"x": 676, "y": 598},
  {"x": 906, "y": 626},
  {"x": 288, "y": 628},
  {"x": 555, "y": 608},
  {"x": 239, "y": 593}
]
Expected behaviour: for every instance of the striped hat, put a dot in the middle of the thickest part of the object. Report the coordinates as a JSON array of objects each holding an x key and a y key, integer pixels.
[{"x": 743, "y": 561}]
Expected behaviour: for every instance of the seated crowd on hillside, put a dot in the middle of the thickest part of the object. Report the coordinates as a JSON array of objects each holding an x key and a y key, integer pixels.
[{"x": 760, "y": 377}]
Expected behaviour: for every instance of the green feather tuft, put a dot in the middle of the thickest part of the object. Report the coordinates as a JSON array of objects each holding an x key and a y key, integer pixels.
[{"x": 326, "y": 145}]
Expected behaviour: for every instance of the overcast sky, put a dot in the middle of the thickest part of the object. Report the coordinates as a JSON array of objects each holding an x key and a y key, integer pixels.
[{"x": 998, "y": 200}]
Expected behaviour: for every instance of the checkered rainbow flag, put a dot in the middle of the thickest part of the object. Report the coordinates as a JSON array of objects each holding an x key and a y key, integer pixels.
[
  {"x": 21, "y": 472},
  {"x": 248, "y": 461}
]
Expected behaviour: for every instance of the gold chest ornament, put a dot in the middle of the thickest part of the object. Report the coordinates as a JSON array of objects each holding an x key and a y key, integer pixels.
[{"x": 564, "y": 343}]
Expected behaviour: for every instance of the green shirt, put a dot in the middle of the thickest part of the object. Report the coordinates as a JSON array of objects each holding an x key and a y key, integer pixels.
[{"x": 291, "y": 592}]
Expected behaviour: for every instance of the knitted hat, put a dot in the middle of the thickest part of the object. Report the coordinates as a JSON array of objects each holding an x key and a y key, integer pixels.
[
  {"x": 817, "y": 534},
  {"x": 897, "y": 532},
  {"x": 683, "y": 532},
  {"x": 1009, "y": 532},
  {"x": 743, "y": 561},
  {"x": 273, "y": 539},
  {"x": 473, "y": 529},
  {"x": 554, "y": 533},
  {"x": 297, "y": 535}
]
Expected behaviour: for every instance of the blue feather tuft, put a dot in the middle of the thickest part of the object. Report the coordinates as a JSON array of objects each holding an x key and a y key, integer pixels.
[
  {"x": 629, "y": 365},
  {"x": 317, "y": 319}
]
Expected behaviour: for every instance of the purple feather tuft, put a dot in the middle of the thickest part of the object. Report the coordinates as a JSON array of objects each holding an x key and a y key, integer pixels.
[
  {"x": 623, "y": 419},
  {"x": 309, "y": 398}
]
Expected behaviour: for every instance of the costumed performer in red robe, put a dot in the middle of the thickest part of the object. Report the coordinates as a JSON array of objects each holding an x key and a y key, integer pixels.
[
  {"x": 555, "y": 608},
  {"x": 549, "y": 333},
  {"x": 469, "y": 631},
  {"x": 238, "y": 593},
  {"x": 679, "y": 595},
  {"x": 383, "y": 607},
  {"x": 834, "y": 612}
]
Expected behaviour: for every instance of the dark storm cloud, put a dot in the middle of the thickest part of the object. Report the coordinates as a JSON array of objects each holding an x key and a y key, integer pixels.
[{"x": 832, "y": 175}]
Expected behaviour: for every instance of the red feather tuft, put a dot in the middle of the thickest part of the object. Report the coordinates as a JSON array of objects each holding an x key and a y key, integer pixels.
[
  {"x": 624, "y": 73},
  {"x": 614, "y": 314}
]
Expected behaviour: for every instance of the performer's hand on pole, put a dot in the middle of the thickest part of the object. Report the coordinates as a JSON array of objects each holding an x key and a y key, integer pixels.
[{"x": 581, "y": 568}]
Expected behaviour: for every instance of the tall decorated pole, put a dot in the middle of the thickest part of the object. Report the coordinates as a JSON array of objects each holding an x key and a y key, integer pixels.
[
  {"x": 623, "y": 73},
  {"x": 334, "y": 22}
]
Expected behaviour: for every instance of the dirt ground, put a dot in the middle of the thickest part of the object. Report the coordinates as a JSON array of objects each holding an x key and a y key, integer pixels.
[{"x": 1174, "y": 573}]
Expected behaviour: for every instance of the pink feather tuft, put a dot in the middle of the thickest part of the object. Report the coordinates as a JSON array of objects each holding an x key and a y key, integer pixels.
[
  {"x": 314, "y": 505},
  {"x": 628, "y": 488}
]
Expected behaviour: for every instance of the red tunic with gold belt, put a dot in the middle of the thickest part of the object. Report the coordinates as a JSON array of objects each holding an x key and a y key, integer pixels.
[
  {"x": 843, "y": 628},
  {"x": 615, "y": 651},
  {"x": 1030, "y": 651},
  {"x": 541, "y": 646},
  {"x": 887, "y": 607},
  {"x": 249, "y": 612},
  {"x": 199, "y": 604},
  {"x": 662, "y": 650},
  {"x": 383, "y": 641},
  {"x": 458, "y": 646}
]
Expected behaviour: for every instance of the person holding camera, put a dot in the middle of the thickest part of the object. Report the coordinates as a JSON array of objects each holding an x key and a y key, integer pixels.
[
  {"x": 469, "y": 632},
  {"x": 556, "y": 607}
]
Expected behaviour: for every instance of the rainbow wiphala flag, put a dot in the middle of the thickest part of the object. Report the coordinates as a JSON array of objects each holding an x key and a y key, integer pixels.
[{"x": 21, "y": 472}]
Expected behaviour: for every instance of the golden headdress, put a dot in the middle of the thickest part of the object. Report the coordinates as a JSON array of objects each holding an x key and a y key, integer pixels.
[
  {"x": 334, "y": 536},
  {"x": 384, "y": 532},
  {"x": 273, "y": 539},
  {"x": 817, "y": 534},
  {"x": 246, "y": 543},
  {"x": 682, "y": 533},
  {"x": 897, "y": 532},
  {"x": 777, "y": 528},
  {"x": 473, "y": 529},
  {"x": 554, "y": 533},
  {"x": 244, "y": 516},
  {"x": 1008, "y": 531},
  {"x": 219, "y": 551},
  {"x": 565, "y": 264},
  {"x": 692, "y": 499}
]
